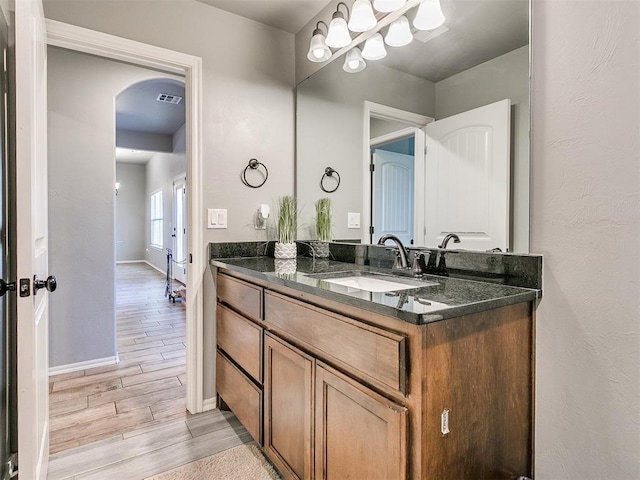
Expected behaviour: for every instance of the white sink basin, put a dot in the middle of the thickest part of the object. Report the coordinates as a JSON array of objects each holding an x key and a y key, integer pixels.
[{"x": 377, "y": 283}]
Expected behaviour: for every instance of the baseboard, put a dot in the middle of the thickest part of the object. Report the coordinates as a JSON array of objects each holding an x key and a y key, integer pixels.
[
  {"x": 75, "y": 367},
  {"x": 209, "y": 404},
  {"x": 130, "y": 261},
  {"x": 154, "y": 267}
]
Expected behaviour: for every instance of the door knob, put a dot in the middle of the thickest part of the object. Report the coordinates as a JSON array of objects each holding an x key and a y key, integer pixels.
[
  {"x": 50, "y": 284},
  {"x": 5, "y": 287}
]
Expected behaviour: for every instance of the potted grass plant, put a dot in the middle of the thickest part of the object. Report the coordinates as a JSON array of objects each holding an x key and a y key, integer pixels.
[
  {"x": 287, "y": 228},
  {"x": 323, "y": 227}
]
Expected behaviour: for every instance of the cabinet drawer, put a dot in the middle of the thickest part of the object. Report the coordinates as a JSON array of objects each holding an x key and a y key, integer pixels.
[
  {"x": 241, "y": 395},
  {"x": 375, "y": 354},
  {"x": 244, "y": 297},
  {"x": 241, "y": 339}
]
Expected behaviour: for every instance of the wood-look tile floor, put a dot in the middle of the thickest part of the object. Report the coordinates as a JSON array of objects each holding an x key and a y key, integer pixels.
[
  {"x": 146, "y": 388},
  {"x": 129, "y": 421}
]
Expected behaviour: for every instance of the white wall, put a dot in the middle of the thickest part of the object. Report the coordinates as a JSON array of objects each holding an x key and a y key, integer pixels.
[
  {"x": 161, "y": 170},
  {"x": 585, "y": 207},
  {"x": 503, "y": 77},
  {"x": 82, "y": 91},
  {"x": 330, "y": 112},
  {"x": 130, "y": 212},
  {"x": 248, "y": 106}
]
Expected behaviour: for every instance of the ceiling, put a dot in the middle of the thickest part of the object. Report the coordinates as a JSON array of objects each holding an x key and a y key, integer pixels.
[
  {"x": 138, "y": 108},
  {"x": 287, "y": 15},
  {"x": 476, "y": 31}
]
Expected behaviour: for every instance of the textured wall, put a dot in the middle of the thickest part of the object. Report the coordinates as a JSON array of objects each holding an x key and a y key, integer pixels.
[
  {"x": 585, "y": 219},
  {"x": 130, "y": 212}
]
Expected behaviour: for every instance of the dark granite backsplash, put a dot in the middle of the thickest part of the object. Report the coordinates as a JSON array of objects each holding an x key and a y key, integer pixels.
[{"x": 519, "y": 270}]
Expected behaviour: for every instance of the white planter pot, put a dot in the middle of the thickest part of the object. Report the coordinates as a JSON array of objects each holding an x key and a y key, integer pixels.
[
  {"x": 285, "y": 266},
  {"x": 285, "y": 250}
]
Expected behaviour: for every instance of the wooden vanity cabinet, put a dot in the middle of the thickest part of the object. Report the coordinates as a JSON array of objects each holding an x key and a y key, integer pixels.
[
  {"x": 288, "y": 408},
  {"x": 239, "y": 356},
  {"x": 354, "y": 394}
]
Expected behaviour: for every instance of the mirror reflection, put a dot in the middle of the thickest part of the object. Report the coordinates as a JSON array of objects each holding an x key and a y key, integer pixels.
[{"x": 460, "y": 93}]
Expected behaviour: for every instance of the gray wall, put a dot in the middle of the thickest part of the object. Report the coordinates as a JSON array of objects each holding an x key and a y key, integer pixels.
[
  {"x": 330, "y": 112},
  {"x": 162, "y": 169},
  {"x": 247, "y": 106},
  {"x": 143, "y": 140},
  {"x": 503, "y": 77},
  {"x": 130, "y": 212},
  {"x": 81, "y": 140},
  {"x": 585, "y": 219}
]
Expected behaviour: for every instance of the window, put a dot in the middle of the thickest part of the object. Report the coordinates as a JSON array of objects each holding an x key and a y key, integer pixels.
[{"x": 156, "y": 219}]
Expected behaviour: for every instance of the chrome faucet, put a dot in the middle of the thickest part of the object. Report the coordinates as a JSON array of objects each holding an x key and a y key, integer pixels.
[
  {"x": 404, "y": 263},
  {"x": 449, "y": 236}
]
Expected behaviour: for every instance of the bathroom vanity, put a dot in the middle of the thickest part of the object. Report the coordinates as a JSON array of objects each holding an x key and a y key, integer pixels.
[{"x": 430, "y": 381}]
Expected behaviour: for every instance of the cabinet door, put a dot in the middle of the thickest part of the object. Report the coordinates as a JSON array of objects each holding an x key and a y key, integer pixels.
[
  {"x": 288, "y": 412},
  {"x": 359, "y": 434}
]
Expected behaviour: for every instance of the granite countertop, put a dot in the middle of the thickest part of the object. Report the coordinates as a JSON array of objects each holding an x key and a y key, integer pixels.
[{"x": 434, "y": 298}]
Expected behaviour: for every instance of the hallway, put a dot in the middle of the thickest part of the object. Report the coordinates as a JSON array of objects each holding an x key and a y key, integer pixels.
[
  {"x": 129, "y": 420},
  {"x": 146, "y": 388}
]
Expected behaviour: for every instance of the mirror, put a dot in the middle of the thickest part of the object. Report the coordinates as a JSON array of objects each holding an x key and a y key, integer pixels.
[{"x": 479, "y": 57}]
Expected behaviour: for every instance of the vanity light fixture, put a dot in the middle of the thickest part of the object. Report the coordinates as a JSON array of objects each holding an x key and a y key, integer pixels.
[
  {"x": 318, "y": 49},
  {"x": 374, "y": 48},
  {"x": 399, "y": 33},
  {"x": 362, "y": 17},
  {"x": 388, "y": 5},
  {"x": 429, "y": 15},
  {"x": 338, "y": 34},
  {"x": 354, "y": 62}
]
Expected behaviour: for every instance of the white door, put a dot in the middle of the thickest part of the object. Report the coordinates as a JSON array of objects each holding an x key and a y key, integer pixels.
[
  {"x": 467, "y": 178},
  {"x": 393, "y": 179},
  {"x": 31, "y": 236},
  {"x": 180, "y": 229}
]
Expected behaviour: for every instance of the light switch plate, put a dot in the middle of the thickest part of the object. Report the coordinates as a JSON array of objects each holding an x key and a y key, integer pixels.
[
  {"x": 217, "y": 218},
  {"x": 353, "y": 220}
]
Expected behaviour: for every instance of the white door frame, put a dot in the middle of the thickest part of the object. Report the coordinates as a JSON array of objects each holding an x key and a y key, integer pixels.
[
  {"x": 383, "y": 112},
  {"x": 109, "y": 46}
]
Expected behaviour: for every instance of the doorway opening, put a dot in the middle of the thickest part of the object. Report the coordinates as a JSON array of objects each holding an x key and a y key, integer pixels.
[{"x": 392, "y": 185}]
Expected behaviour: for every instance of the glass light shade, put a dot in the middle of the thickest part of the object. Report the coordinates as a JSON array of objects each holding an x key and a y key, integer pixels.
[
  {"x": 399, "y": 33},
  {"x": 354, "y": 62},
  {"x": 429, "y": 15},
  {"x": 338, "y": 35},
  {"x": 362, "y": 17},
  {"x": 374, "y": 48},
  {"x": 388, "y": 5},
  {"x": 318, "y": 49}
]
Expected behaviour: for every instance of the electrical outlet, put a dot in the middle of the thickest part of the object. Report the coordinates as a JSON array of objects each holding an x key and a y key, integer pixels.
[{"x": 353, "y": 220}]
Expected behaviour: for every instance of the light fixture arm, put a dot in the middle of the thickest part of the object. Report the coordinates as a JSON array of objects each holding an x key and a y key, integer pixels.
[
  {"x": 339, "y": 12},
  {"x": 318, "y": 30}
]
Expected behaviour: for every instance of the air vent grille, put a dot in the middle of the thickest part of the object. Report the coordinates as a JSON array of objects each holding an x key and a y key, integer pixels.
[{"x": 168, "y": 98}]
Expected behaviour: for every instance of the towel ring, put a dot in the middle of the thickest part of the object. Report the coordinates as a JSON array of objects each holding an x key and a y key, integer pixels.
[
  {"x": 328, "y": 172},
  {"x": 253, "y": 165}
]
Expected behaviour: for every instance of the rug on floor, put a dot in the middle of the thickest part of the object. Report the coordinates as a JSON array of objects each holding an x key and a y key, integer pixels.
[{"x": 244, "y": 462}]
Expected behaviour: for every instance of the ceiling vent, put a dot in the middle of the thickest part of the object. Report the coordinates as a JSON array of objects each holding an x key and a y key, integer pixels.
[{"x": 168, "y": 98}]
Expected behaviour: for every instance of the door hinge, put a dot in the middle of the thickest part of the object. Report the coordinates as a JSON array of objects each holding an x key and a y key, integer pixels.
[
  {"x": 190, "y": 258},
  {"x": 11, "y": 467},
  {"x": 372, "y": 167},
  {"x": 371, "y": 230}
]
